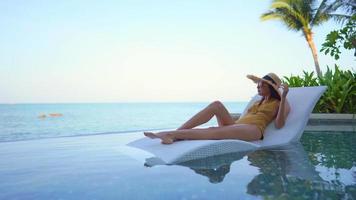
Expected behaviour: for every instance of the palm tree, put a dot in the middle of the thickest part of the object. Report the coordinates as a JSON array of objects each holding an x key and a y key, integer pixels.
[
  {"x": 303, "y": 15},
  {"x": 349, "y": 6}
]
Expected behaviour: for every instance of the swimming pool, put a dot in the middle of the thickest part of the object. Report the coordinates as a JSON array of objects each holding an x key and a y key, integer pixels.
[{"x": 321, "y": 166}]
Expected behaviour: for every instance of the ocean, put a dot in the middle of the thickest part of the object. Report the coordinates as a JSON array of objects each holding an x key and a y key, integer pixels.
[{"x": 34, "y": 121}]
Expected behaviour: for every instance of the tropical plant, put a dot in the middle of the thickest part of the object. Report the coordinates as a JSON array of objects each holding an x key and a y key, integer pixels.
[
  {"x": 340, "y": 96},
  {"x": 303, "y": 15},
  {"x": 297, "y": 81},
  {"x": 345, "y": 37}
]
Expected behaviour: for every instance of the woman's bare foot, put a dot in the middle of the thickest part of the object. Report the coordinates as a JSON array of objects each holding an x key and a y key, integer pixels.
[
  {"x": 150, "y": 135},
  {"x": 165, "y": 137}
]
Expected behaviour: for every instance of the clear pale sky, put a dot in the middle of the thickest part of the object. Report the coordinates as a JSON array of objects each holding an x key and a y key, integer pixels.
[{"x": 146, "y": 50}]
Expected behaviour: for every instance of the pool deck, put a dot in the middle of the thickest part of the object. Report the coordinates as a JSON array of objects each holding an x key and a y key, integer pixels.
[{"x": 326, "y": 122}]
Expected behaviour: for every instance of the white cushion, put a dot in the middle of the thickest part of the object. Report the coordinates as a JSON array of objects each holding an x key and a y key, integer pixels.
[{"x": 302, "y": 101}]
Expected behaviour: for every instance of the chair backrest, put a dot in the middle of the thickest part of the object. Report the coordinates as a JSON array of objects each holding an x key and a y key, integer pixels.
[{"x": 302, "y": 101}]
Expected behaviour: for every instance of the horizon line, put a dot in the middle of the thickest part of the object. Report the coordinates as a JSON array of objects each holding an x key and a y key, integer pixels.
[{"x": 123, "y": 102}]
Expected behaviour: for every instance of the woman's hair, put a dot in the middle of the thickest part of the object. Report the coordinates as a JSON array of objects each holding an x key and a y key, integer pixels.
[{"x": 273, "y": 92}]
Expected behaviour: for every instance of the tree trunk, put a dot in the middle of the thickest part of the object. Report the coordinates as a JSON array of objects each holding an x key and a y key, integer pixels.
[{"x": 311, "y": 44}]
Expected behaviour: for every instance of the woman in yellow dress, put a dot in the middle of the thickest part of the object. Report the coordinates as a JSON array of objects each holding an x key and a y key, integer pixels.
[{"x": 251, "y": 126}]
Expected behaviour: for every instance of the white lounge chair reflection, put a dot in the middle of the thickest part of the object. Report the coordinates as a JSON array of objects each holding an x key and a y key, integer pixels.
[
  {"x": 302, "y": 101},
  {"x": 282, "y": 171},
  {"x": 289, "y": 161}
]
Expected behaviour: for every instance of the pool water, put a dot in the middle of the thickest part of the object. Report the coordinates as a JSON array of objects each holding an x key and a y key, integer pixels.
[
  {"x": 321, "y": 166},
  {"x": 32, "y": 121}
]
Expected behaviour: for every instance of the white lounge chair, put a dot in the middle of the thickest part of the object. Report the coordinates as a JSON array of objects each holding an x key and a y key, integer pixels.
[{"x": 302, "y": 101}]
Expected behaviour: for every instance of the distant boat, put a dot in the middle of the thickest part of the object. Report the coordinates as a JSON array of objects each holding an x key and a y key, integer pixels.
[
  {"x": 42, "y": 116},
  {"x": 55, "y": 114},
  {"x": 51, "y": 115}
]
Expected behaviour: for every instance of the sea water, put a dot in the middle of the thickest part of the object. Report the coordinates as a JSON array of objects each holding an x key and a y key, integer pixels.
[
  {"x": 100, "y": 165},
  {"x": 34, "y": 121}
]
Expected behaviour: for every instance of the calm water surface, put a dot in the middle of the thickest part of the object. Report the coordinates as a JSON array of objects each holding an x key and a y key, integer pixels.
[
  {"x": 321, "y": 166},
  {"x": 96, "y": 166},
  {"x": 26, "y": 121}
]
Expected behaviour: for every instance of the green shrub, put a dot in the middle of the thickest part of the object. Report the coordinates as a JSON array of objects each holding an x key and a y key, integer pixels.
[
  {"x": 297, "y": 81},
  {"x": 340, "y": 96},
  {"x": 345, "y": 37}
]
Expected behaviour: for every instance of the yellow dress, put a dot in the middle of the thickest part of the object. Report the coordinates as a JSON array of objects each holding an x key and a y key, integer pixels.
[{"x": 260, "y": 115}]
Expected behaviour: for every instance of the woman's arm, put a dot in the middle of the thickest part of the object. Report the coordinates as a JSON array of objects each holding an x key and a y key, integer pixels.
[{"x": 283, "y": 109}]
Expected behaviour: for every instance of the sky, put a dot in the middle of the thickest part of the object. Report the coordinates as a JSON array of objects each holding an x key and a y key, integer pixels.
[{"x": 146, "y": 51}]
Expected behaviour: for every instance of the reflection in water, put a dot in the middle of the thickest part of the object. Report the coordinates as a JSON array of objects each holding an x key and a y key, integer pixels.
[
  {"x": 214, "y": 167},
  {"x": 283, "y": 173},
  {"x": 214, "y": 175},
  {"x": 288, "y": 173}
]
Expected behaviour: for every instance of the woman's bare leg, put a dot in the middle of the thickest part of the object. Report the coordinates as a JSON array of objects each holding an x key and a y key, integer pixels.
[
  {"x": 237, "y": 131},
  {"x": 217, "y": 109}
]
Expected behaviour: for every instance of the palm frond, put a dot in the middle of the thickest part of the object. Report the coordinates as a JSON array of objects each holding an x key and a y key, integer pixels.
[
  {"x": 287, "y": 9},
  {"x": 319, "y": 12},
  {"x": 348, "y": 6},
  {"x": 290, "y": 15},
  {"x": 305, "y": 8},
  {"x": 325, "y": 10},
  {"x": 270, "y": 15},
  {"x": 340, "y": 18},
  {"x": 332, "y": 7}
]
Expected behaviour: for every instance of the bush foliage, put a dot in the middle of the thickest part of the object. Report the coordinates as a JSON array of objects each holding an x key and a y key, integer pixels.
[
  {"x": 345, "y": 37},
  {"x": 340, "y": 96}
]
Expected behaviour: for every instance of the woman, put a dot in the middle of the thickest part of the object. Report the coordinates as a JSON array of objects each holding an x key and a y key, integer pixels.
[{"x": 251, "y": 126}]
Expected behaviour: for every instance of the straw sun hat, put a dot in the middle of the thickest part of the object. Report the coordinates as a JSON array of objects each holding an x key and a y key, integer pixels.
[{"x": 275, "y": 81}]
